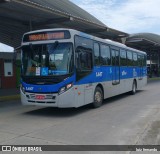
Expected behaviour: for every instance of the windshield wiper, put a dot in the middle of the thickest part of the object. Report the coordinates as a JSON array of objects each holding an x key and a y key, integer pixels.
[
  {"x": 53, "y": 47},
  {"x": 31, "y": 47}
]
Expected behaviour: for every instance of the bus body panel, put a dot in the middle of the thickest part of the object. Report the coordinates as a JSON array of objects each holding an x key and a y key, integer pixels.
[{"x": 52, "y": 88}]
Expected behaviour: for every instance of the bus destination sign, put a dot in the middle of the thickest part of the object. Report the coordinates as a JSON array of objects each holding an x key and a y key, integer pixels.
[
  {"x": 49, "y": 36},
  {"x": 42, "y": 36}
]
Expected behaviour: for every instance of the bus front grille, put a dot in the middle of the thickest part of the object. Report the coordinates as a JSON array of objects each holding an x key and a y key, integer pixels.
[
  {"x": 41, "y": 98},
  {"x": 46, "y": 96}
]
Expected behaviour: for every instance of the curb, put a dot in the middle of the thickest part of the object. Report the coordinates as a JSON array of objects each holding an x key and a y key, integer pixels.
[
  {"x": 153, "y": 79},
  {"x": 9, "y": 98},
  {"x": 150, "y": 80}
]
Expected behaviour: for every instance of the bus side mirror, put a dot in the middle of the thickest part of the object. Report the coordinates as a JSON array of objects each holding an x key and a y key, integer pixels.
[{"x": 17, "y": 56}]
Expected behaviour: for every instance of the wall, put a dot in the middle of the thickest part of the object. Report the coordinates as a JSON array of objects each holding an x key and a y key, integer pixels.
[{"x": 7, "y": 81}]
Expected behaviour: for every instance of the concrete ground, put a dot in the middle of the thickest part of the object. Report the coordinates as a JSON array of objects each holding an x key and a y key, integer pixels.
[{"x": 125, "y": 119}]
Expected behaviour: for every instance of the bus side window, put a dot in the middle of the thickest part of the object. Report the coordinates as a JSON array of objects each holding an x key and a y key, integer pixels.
[
  {"x": 129, "y": 58},
  {"x": 84, "y": 62},
  {"x": 96, "y": 54},
  {"x": 123, "y": 60},
  {"x": 84, "y": 59},
  {"x": 105, "y": 55},
  {"x": 145, "y": 61},
  {"x": 135, "y": 59},
  {"x": 139, "y": 60},
  {"x": 84, "y": 56}
]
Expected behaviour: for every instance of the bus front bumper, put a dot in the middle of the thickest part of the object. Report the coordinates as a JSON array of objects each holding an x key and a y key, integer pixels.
[{"x": 64, "y": 100}]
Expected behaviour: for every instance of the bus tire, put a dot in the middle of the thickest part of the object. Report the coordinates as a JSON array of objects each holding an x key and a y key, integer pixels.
[
  {"x": 134, "y": 88},
  {"x": 98, "y": 97}
]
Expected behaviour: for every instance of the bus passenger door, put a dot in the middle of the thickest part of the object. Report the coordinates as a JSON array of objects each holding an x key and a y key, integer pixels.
[
  {"x": 115, "y": 67},
  {"x": 140, "y": 64},
  {"x": 83, "y": 78}
]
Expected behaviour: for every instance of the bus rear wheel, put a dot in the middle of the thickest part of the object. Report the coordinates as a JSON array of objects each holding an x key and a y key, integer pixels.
[{"x": 98, "y": 97}]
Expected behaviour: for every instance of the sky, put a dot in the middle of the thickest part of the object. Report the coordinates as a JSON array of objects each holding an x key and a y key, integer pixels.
[
  {"x": 130, "y": 16},
  {"x": 5, "y": 48}
]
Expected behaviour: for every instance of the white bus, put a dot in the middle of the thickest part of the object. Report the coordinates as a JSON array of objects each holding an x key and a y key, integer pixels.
[{"x": 67, "y": 68}]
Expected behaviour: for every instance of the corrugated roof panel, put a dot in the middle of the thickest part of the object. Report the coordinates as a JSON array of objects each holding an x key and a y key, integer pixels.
[
  {"x": 68, "y": 7},
  {"x": 148, "y": 36},
  {"x": 20, "y": 16},
  {"x": 145, "y": 41}
]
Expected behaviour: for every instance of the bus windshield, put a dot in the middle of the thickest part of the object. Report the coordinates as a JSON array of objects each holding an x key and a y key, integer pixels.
[{"x": 47, "y": 59}]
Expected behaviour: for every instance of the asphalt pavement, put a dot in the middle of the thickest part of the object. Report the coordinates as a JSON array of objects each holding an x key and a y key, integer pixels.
[{"x": 9, "y": 94}]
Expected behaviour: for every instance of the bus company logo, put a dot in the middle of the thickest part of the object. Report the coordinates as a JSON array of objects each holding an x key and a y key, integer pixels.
[
  {"x": 124, "y": 73},
  {"x": 29, "y": 88},
  {"x": 134, "y": 73},
  {"x": 6, "y": 148},
  {"x": 110, "y": 71},
  {"x": 99, "y": 74}
]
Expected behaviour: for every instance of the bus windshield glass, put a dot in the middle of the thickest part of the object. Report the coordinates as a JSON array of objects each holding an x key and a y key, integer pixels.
[{"x": 47, "y": 59}]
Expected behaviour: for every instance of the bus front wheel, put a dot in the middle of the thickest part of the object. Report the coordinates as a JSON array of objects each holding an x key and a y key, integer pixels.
[{"x": 98, "y": 97}]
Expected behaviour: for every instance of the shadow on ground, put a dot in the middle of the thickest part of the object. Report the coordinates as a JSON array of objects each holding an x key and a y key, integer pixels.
[{"x": 68, "y": 112}]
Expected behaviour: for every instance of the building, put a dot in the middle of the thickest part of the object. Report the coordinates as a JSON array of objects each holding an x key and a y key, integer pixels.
[
  {"x": 150, "y": 43},
  {"x": 9, "y": 73}
]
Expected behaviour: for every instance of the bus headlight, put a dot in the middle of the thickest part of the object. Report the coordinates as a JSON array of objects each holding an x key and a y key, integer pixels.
[
  {"x": 22, "y": 88},
  {"x": 65, "y": 88}
]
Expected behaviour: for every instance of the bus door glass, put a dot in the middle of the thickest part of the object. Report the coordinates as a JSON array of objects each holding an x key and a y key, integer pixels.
[
  {"x": 140, "y": 65},
  {"x": 84, "y": 57},
  {"x": 84, "y": 66},
  {"x": 115, "y": 67}
]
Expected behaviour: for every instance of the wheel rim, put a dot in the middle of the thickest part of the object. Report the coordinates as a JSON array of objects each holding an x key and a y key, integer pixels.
[
  {"x": 134, "y": 88},
  {"x": 98, "y": 97}
]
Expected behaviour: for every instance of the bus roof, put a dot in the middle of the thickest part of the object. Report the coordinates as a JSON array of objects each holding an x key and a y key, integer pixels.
[{"x": 110, "y": 42}]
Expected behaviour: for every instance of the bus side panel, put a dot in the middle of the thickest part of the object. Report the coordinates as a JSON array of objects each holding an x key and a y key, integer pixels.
[
  {"x": 141, "y": 83},
  {"x": 142, "y": 79},
  {"x": 79, "y": 95},
  {"x": 89, "y": 92},
  {"x": 108, "y": 89},
  {"x": 103, "y": 76},
  {"x": 113, "y": 90},
  {"x": 67, "y": 99}
]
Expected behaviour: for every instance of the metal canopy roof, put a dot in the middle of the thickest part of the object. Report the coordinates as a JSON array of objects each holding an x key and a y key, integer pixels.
[
  {"x": 20, "y": 16},
  {"x": 144, "y": 41}
]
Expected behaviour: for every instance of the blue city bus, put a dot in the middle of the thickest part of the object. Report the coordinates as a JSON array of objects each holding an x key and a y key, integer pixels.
[{"x": 67, "y": 68}]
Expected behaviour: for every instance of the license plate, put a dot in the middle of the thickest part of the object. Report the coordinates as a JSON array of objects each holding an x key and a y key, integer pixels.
[{"x": 40, "y": 97}]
